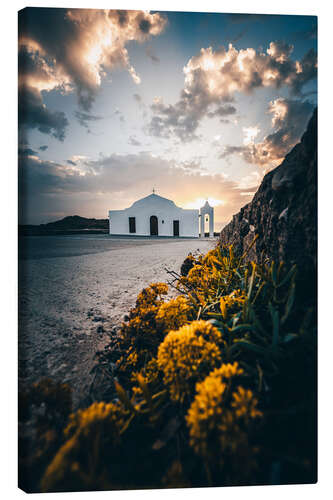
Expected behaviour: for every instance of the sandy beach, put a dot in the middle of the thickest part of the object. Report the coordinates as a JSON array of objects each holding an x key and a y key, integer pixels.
[{"x": 74, "y": 290}]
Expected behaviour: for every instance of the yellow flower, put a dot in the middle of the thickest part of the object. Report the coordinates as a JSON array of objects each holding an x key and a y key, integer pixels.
[
  {"x": 140, "y": 335},
  {"x": 223, "y": 307},
  {"x": 75, "y": 465},
  {"x": 232, "y": 303},
  {"x": 217, "y": 415},
  {"x": 186, "y": 356},
  {"x": 84, "y": 420},
  {"x": 213, "y": 258},
  {"x": 152, "y": 294},
  {"x": 245, "y": 404},
  {"x": 174, "y": 314},
  {"x": 150, "y": 375}
]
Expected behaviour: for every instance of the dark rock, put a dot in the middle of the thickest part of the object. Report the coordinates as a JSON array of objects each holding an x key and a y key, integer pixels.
[
  {"x": 283, "y": 213},
  {"x": 187, "y": 265}
]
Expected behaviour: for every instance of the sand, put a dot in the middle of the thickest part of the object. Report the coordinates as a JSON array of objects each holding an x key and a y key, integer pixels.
[{"x": 75, "y": 290}]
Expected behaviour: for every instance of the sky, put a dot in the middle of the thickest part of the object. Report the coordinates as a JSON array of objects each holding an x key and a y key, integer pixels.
[{"x": 195, "y": 105}]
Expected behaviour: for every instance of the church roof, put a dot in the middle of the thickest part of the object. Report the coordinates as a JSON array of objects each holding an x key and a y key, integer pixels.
[{"x": 153, "y": 199}]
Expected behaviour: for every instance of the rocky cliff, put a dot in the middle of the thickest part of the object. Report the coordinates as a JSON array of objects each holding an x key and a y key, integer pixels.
[{"x": 283, "y": 212}]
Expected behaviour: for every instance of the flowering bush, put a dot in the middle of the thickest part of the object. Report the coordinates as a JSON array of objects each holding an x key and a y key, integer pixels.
[
  {"x": 232, "y": 303},
  {"x": 217, "y": 409},
  {"x": 219, "y": 422},
  {"x": 139, "y": 335},
  {"x": 148, "y": 323},
  {"x": 213, "y": 387},
  {"x": 87, "y": 434},
  {"x": 187, "y": 355},
  {"x": 150, "y": 376},
  {"x": 174, "y": 314}
]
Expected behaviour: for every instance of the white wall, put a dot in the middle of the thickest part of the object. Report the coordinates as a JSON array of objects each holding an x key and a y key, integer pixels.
[{"x": 167, "y": 212}]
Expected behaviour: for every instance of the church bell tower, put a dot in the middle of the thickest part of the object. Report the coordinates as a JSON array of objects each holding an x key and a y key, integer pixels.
[{"x": 207, "y": 212}]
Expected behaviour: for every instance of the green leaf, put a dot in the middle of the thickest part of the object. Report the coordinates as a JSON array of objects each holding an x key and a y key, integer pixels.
[
  {"x": 145, "y": 390},
  {"x": 276, "y": 327},
  {"x": 289, "y": 304},
  {"x": 123, "y": 397},
  {"x": 273, "y": 273},
  {"x": 249, "y": 247},
  {"x": 289, "y": 337},
  {"x": 231, "y": 253},
  {"x": 249, "y": 346},
  {"x": 241, "y": 328},
  {"x": 288, "y": 276},
  {"x": 258, "y": 291},
  {"x": 238, "y": 275},
  {"x": 215, "y": 322},
  {"x": 167, "y": 433},
  {"x": 257, "y": 324},
  {"x": 251, "y": 280},
  {"x": 126, "y": 424}
]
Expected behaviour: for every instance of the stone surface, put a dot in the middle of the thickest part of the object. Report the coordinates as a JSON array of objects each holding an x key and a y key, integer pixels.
[{"x": 283, "y": 212}]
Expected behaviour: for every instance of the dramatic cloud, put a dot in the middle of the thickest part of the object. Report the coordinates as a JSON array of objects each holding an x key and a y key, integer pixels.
[
  {"x": 222, "y": 111},
  {"x": 67, "y": 61},
  {"x": 34, "y": 114},
  {"x": 85, "y": 118},
  {"x": 183, "y": 118},
  {"x": 73, "y": 50},
  {"x": 289, "y": 119},
  {"x": 25, "y": 151},
  {"x": 213, "y": 78},
  {"x": 115, "y": 181}
]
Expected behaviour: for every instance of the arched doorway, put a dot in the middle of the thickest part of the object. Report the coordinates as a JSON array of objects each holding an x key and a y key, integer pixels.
[
  {"x": 206, "y": 224},
  {"x": 153, "y": 225}
]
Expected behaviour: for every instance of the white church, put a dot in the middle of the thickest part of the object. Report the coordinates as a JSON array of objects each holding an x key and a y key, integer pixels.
[{"x": 158, "y": 216}]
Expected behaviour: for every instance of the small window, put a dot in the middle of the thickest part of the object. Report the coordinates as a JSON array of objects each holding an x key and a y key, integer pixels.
[
  {"x": 176, "y": 227},
  {"x": 132, "y": 228}
]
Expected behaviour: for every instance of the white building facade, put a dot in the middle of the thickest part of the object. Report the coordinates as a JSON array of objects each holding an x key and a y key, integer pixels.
[{"x": 154, "y": 216}]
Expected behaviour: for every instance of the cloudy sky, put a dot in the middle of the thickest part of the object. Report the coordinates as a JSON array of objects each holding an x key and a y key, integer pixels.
[{"x": 114, "y": 103}]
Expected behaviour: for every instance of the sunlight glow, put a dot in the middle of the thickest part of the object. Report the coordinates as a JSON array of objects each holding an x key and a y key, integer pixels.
[
  {"x": 250, "y": 133},
  {"x": 199, "y": 202}
]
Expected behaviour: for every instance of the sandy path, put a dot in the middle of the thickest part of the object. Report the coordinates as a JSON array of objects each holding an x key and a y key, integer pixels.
[{"x": 69, "y": 305}]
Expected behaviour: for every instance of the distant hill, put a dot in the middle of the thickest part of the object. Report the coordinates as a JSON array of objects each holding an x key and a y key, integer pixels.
[{"x": 72, "y": 224}]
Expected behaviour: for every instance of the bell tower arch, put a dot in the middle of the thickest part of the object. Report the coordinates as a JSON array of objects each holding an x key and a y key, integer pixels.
[{"x": 205, "y": 211}]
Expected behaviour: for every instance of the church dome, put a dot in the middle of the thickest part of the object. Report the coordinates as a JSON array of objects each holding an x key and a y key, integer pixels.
[{"x": 153, "y": 199}]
